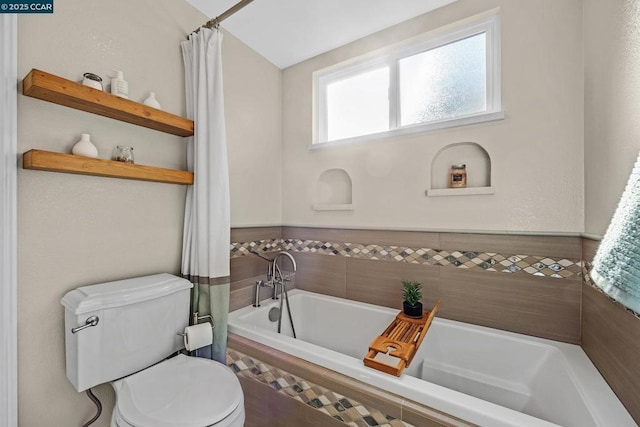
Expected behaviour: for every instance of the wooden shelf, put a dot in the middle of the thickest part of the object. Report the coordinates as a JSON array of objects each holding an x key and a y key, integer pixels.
[
  {"x": 45, "y": 86},
  {"x": 69, "y": 163}
]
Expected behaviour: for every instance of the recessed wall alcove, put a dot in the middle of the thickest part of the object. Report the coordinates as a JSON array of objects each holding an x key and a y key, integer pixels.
[
  {"x": 478, "y": 163},
  {"x": 334, "y": 191}
]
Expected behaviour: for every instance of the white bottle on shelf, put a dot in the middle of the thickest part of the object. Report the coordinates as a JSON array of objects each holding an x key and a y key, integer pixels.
[
  {"x": 151, "y": 101},
  {"x": 119, "y": 86},
  {"x": 84, "y": 147}
]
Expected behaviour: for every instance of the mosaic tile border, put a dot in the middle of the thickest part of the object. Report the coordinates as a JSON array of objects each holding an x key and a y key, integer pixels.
[
  {"x": 488, "y": 261},
  {"x": 349, "y": 411}
]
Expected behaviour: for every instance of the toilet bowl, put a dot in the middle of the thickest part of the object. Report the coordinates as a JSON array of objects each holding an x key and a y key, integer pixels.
[
  {"x": 125, "y": 333},
  {"x": 180, "y": 392}
]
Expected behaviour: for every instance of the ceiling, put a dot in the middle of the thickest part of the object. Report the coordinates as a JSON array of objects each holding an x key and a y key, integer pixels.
[{"x": 289, "y": 31}]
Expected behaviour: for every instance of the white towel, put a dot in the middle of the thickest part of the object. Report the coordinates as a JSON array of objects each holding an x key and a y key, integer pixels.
[{"x": 616, "y": 266}]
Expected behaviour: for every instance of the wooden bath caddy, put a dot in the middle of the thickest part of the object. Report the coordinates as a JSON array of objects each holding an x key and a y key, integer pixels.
[{"x": 401, "y": 341}]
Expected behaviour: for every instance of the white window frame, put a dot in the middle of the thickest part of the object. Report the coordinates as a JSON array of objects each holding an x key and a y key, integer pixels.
[{"x": 488, "y": 23}]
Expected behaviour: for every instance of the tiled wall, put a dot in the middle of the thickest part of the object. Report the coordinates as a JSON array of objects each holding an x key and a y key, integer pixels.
[
  {"x": 245, "y": 270},
  {"x": 526, "y": 284},
  {"x": 283, "y": 390},
  {"x": 611, "y": 339}
]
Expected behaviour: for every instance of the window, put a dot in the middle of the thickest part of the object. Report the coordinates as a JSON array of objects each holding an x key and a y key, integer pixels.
[
  {"x": 446, "y": 78},
  {"x": 358, "y": 105}
]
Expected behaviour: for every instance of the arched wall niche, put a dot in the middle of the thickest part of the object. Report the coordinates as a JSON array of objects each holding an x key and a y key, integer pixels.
[
  {"x": 334, "y": 191},
  {"x": 478, "y": 165}
]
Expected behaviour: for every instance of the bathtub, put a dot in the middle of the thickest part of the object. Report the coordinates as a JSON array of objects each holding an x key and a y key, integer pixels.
[{"x": 484, "y": 376}]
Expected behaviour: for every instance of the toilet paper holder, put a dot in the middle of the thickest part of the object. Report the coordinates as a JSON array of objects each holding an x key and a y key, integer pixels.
[{"x": 197, "y": 318}]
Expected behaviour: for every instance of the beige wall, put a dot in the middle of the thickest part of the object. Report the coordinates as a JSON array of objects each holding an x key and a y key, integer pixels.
[
  {"x": 612, "y": 105},
  {"x": 536, "y": 151},
  {"x": 77, "y": 230},
  {"x": 253, "y": 111}
]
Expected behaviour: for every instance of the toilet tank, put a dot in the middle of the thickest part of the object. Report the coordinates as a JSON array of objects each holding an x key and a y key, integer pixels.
[{"x": 139, "y": 322}]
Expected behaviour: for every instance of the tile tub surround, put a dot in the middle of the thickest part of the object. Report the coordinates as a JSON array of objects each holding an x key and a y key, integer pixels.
[
  {"x": 318, "y": 396},
  {"x": 611, "y": 339},
  {"x": 525, "y": 284},
  {"x": 335, "y": 405},
  {"x": 565, "y": 309}
]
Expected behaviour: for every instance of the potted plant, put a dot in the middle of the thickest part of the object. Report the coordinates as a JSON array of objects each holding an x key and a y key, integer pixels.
[{"x": 412, "y": 295}]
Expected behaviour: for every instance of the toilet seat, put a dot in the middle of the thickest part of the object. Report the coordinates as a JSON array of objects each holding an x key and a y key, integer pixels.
[
  {"x": 180, "y": 392},
  {"x": 236, "y": 419}
]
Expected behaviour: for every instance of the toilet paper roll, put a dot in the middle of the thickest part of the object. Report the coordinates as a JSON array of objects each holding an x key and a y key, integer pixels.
[{"x": 197, "y": 336}]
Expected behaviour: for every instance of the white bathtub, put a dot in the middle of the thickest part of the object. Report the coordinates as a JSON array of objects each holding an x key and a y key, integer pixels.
[{"x": 485, "y": 376}]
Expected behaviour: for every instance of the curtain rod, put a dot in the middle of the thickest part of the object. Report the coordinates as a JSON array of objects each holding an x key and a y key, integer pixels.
[{"x": 224, "y": 15}]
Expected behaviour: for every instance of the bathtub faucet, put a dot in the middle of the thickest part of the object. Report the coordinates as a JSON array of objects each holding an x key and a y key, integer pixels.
[
  {"x": 274, "y": 262},
  {"x": 281, "y": 280},
  {"x": 275, "y": 278},
  {"x": 278, "y": 283},
  {"x": 262, "y": 284}
]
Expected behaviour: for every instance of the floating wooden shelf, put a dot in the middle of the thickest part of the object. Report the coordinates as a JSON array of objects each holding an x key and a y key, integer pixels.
[
  {"x": 45, "y": 86},
  {"x": 69, "y": 163},
  {"x": 393, "y": 350}
]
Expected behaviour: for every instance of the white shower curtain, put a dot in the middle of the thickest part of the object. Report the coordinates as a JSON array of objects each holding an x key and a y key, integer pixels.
[{"x": 206, "y": 241}]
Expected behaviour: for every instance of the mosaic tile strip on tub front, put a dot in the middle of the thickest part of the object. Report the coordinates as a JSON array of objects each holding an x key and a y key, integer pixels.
[
  {"x": 488, "y": 261},
  {"x": 349, "y": 411}
]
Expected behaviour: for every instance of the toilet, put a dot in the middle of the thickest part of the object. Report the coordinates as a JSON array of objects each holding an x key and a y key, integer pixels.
[{"x": 138, "y": 326}]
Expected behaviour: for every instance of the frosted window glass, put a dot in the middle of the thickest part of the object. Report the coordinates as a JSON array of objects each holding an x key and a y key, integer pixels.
[
  {"x": 445, "y": 82},
  {"x": 358, "y": 105}
]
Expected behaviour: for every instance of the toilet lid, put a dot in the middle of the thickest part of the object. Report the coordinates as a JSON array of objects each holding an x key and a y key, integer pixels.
[{"x": 179, "y": 392}]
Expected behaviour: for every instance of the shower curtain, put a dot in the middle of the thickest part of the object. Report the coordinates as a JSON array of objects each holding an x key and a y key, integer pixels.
[{"x": 206, "y": 241}]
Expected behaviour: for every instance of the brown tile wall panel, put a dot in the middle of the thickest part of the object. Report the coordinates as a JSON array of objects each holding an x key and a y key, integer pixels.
[
  {"x": 287, "y": 412},
  {"x": 589, "y": 248},
  {"x": 256, "y": 405},
  {"x": 413, "y": 239},
  {"x": 323, "y": 274},
  {"x": 388, "y": 403},
  {"x": 272, "y": 356},
  {"x": 244, "y": 273},
  {"x": 313, "y": 233},
  {"x": 241, "y": 296},
  {"x": 550, "y": 246},
  {"x": 245, "y": 270},
  {"x": 611, "y": 339},
  {"x": 421, "y": 416},
  {"x": 366, "y": 237},
  {"x": 247, "y": 266},
  {"x": 265, "y": 407},
  {"x": 379, "y": 282},
  {"x": 251, "y": 234},
  {"x": 538, "y": 306},
  {"x": 244, "y": 283}
]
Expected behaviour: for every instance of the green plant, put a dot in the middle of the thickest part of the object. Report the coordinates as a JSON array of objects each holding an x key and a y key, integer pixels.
[{"x": 411, "y": 292}]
